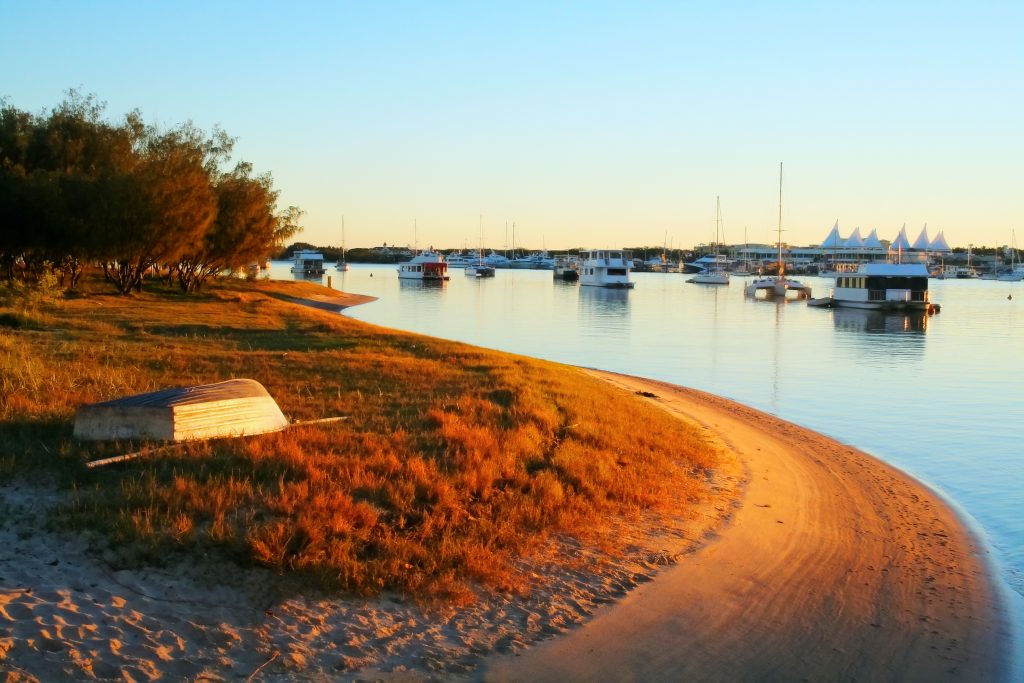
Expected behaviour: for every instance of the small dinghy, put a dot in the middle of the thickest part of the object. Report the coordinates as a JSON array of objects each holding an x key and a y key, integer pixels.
[{"x": 236, "y": 407}]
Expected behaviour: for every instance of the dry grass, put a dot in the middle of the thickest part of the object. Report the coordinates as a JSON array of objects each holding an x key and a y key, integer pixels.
[{"x": 455, "y": 461}]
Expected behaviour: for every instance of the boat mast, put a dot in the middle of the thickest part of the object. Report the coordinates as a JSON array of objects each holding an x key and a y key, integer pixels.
[{"x": 782, "y": 267}]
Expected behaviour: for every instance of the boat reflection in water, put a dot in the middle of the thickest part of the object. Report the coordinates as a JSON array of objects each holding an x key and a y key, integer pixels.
[
  {"x": 898, "y": 336},
  {"x": 308, "y": 277},
  {"x": 604, "y": 312}
]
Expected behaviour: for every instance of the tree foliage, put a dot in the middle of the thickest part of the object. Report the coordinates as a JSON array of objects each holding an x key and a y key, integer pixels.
[{"x": 77, "y": 189}]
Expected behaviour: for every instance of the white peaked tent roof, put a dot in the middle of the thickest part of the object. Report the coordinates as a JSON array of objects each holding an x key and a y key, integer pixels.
[
  {"x": 233, "y": 408},
  {"x": 833, "y": 240},
  {"x": 901, "y": 241},
  {"x": 922, "y": 242},
  {"x": 939, "y": 243},
  {"x": 872, "y": 241},
  {"x": 854, "y": 240}
]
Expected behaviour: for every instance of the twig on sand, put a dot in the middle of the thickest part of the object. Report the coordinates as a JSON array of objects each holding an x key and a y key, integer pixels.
[
  {"x": 149, "y": 451},
  {"x": 277, "y": 653}
]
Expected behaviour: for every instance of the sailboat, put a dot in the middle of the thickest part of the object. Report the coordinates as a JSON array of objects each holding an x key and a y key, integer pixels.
[
  {"x": 480, "y": 268},
  {"x": 1016, "y": 272},
  {"x": 714, "y": 274},
  {"x": 342, "y": 264},
  {"x": 779, "y": 286}
]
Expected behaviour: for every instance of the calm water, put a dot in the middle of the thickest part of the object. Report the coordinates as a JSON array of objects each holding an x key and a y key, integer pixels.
[{"x": 941, "y": 398}]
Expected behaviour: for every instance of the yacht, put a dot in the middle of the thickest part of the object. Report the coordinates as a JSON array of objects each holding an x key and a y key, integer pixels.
[
  {"x": 461, "y": 259},
  {"x": 883, "y": 287},
  {"x": 307, "y": 262},
  {"x": 715, "y": 274},
  {"x": 342, "y": 265},
  {"x": 496, "y": 260},
  {"x": 428, "y": 266},
  {"x": 779, "y": 286},
  {"x": 606, "y": 268}
]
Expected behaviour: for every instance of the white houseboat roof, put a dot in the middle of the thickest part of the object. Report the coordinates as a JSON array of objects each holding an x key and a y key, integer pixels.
[{"x": 894, "y": 269}]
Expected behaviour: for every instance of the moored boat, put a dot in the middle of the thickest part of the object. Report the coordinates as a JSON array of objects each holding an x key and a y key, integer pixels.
[
  {"x": 882, "y": 287},
  {"x": 428, "y": 266},
  {"x": 606, "y": 268},
  {"x": 566, "y": 268},
  {"x": 779, "y": 286},
  {"x": 307, "y": 262}
]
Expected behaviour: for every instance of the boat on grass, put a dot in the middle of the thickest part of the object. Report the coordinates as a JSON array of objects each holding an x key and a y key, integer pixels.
[{"x": 237, "y": 407}]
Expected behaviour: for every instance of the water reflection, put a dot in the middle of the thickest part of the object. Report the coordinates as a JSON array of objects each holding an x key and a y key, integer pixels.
[
  {"x": 877, "y": 322},
  {"x": 307, "y": 277},
  {"x": 863, "y": 333},
  {"x": 599, "y": 302}
]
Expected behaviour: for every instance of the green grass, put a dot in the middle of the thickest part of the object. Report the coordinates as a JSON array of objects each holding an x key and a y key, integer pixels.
[{"x": 455, "y": 461}]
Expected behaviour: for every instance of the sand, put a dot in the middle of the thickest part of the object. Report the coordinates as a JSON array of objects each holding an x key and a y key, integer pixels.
[
  {"x": 835, "y": 567},
  {"x": 811, "y": 561}
]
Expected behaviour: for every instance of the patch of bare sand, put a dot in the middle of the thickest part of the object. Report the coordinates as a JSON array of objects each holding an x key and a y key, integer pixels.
[{"x": 835, "y": 568}]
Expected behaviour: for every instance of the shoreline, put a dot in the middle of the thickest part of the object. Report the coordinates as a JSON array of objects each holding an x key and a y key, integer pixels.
[
  {"x": 917, "y": 600},
  {"x": 859, "y": 572}
]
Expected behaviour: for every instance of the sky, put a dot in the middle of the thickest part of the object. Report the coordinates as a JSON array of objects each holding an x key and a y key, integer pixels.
[{"x": 584, "y": 124}]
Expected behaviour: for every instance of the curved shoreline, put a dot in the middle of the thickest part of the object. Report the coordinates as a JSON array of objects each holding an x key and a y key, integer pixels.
[{"x": 835, "y": 566}]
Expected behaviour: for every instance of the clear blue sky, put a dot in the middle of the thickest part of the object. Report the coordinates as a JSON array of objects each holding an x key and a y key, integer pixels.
[{"x": 593, "y": 124}]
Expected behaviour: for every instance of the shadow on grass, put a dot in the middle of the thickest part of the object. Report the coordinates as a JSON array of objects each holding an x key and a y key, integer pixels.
[
  {"x": 294, "y": 337},
  {"x": 37, "y": 448}
]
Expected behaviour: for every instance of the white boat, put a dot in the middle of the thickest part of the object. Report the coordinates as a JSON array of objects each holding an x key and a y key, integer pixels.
[
  {"x": 461, "y": 259},
  {"x": 496, "y": 260},
  {"x": 705, "y": 263},
  {"x": 884, "y": 287},
  {"x": 567, "y": 268},
  {"x": 479, "y": 270},
  {"x": 778, "y": 286},
  {"x": 342, "y": 264},
  {"x": 307, "y": 262},
  {"x": 606, "y": 268},
  {"x": 716, "y": 274},
  {"x": 428, "y": 266}
]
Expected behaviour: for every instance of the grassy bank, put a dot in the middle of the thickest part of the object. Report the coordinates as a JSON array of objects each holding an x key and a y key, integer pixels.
[{"x": 455, "y": 460}]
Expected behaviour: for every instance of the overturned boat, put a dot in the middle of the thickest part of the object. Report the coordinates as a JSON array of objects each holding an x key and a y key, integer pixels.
[{"x": 236, "y": 407}]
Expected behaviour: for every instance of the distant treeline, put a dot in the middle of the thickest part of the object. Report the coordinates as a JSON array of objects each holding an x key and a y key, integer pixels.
[
  {"x": 376, "y": 255},
  {"x": 76, "y": 189}
]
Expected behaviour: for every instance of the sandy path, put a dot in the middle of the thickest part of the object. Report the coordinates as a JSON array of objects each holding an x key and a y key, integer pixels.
[{"x": 835, "y": 567}]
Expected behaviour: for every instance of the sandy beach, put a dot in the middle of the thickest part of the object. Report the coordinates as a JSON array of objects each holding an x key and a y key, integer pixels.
[
  {"x": 835, "y": 567},
  {"x": 813, "y": 562}
]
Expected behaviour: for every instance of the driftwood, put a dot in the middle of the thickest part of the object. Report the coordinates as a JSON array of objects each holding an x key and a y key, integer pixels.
[{"x": 171, "y": 446}]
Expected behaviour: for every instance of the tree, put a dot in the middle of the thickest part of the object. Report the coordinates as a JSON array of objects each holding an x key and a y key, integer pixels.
[
  {"x": 245, "y": 230},
  {"x": 160, "y": 210}
]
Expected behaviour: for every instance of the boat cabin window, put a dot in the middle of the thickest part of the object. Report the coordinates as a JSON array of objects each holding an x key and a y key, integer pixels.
[{"x": 617, "y": 271}]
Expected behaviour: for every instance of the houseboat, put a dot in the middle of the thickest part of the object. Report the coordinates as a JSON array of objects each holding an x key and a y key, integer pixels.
[
  {"x": 606, "y": 268},
  {"x": 307, "y": 262},
  {"x": 428, "y": 266},
  {"x": 883, "y": 286}
]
